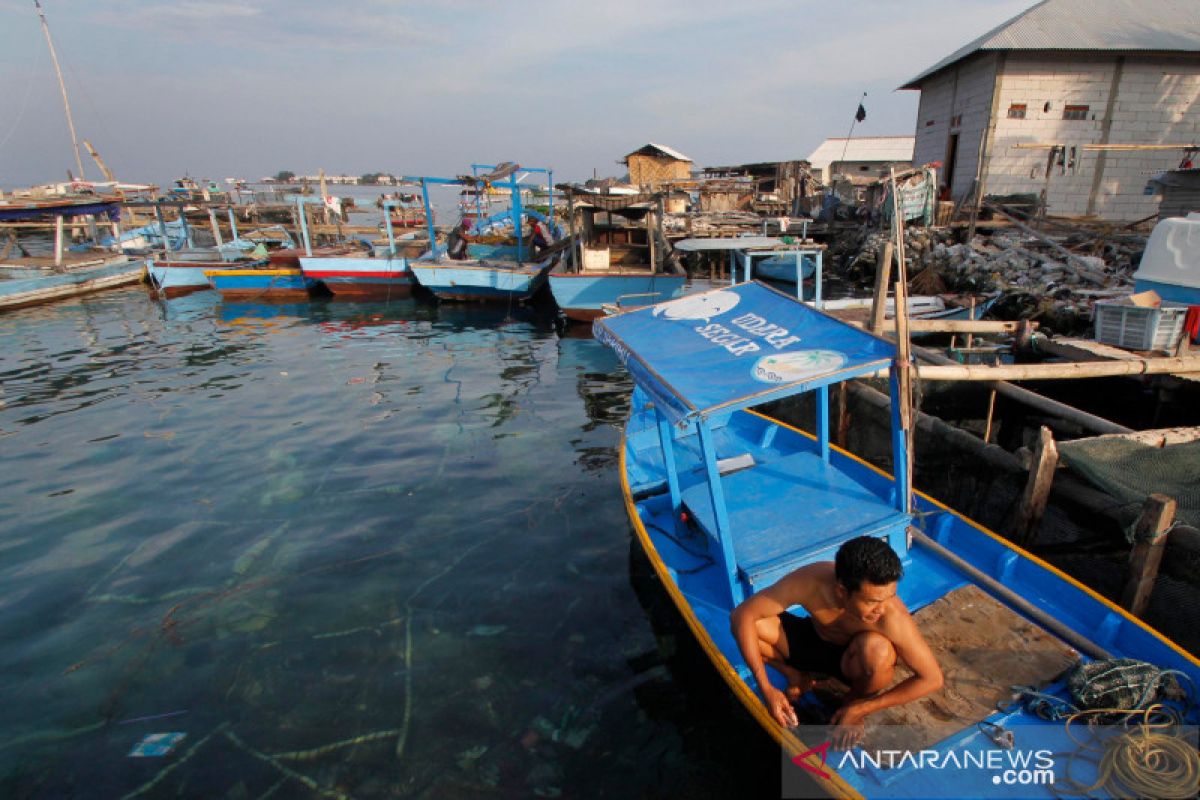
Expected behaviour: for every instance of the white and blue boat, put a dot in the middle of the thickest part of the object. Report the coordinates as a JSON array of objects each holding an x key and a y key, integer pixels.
[
  {"x": 620, "y": 261},
  {"x": 382, "y": 273},
  {"x": 726, "y": 500},
  {"x": 507, "y": 271}
]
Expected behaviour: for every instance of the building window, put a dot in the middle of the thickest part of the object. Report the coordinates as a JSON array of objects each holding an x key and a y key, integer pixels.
[
  {"x": 1075, "y": 112},
  {"x": 1016, "y": 111}
]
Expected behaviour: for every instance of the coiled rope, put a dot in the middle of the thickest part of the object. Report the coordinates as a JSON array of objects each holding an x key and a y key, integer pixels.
[{"x": 1150, "y": 760}]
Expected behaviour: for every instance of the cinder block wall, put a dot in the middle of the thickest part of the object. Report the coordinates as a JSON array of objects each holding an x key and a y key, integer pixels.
[
  {"x": 957, "y": 101},
  {"x": 1156, "y": 101}
]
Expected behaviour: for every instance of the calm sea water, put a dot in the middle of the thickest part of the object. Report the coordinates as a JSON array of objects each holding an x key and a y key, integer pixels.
[{"x": 347, "y": 549}]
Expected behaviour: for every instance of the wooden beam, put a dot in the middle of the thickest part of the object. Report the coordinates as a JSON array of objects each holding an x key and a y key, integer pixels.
[
  {"x": 1150, "y": 537},
  {"x": 883, "y": 274},
  {"x": 1037, "y": 489}
]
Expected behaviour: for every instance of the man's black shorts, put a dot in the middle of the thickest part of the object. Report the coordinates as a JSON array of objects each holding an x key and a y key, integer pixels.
[{"x": 807, "y": 651}]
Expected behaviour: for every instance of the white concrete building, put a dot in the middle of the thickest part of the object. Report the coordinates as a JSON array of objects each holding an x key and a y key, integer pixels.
[
  {"x": 862, "y": 157},
  {"x": 1049, "y": 102}
]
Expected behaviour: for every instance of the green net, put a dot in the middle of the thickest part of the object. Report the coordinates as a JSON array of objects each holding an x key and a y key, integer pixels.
[{"x": 1130, "y": 471}]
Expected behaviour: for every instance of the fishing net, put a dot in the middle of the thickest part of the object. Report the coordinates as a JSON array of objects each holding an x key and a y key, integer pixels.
[
  {"x": 1130, "y": 471},
  {"x": 1122, "y": 683}
]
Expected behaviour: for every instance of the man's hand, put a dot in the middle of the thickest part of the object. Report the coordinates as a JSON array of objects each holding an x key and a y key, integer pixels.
[
  {"x": 780, "y": 707},
  {"x": 850, "y": 726}
]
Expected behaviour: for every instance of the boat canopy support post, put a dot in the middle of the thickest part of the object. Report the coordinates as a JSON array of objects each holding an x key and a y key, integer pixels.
[
  {"x": 903, "y": 487},
  {"x": 516, "y": 220},
  {"x": 233, "y": 231},
  {"x": 666, "y": 440},
  {"x": 216, "y": 228},
  {"x": 823, "y": 422},
  {"x": 162, "y": 226},
  {"x": 817, "y": 277},
  {"x": 388, "y": 205},
  {"x": 58, "y": 240},
  {"x": 717, "y": 497},
  {"x": 428, "y": 218},
  {"x": 187, "y": 229},
  {"x": 304, "y": 226}
]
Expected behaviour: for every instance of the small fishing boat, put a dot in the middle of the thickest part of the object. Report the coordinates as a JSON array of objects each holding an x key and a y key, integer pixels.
[
  {"x": 261, "y": 283},
  {"x": 176, "y": 276},
  {"x": 381, "y": 273},
  {"x": 725, "y": 501},
  {"x": 781, "y": 267},
  {"x": 25, "y": 286},
  {"x": 505, "y": 267},
  {"x": 621, "y": 258}
]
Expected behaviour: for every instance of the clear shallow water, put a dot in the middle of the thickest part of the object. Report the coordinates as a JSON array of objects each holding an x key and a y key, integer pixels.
[{"x": 351, "y": 549}]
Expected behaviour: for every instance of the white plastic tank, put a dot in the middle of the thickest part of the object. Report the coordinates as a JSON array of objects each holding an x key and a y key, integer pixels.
[{"x": 1171, "y": 263}]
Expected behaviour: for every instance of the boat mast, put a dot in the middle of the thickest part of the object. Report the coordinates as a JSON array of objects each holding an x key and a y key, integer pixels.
[{"x": 62, "y": 87}]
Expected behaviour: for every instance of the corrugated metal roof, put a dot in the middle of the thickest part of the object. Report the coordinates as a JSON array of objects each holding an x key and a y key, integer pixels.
[
  {"x": 662, "y": 148},
  {"x": 863, "y": 148},
  {"x": 1115, "y": 25}
]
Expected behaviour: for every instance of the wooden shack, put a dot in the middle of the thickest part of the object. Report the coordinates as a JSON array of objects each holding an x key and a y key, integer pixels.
[{"x": 652, "y": 164}]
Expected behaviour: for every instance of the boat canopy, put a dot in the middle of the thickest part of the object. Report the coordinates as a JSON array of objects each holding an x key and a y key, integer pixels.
[
  {"x": 38, "y": 210},
  {"x": 736, "y": 347}
]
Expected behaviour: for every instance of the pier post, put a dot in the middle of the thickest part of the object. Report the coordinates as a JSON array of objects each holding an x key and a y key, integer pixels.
[
  {"x": 1150, "y": 537},
  {"x": 883, "y": 275},
  {"x": 1037, "y": 489}
]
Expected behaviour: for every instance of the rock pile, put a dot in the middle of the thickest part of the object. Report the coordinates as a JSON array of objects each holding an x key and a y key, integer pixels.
[{"x": 1039, "y": 280}]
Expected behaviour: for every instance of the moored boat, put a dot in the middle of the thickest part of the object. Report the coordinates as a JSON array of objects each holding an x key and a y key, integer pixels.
[
  {"x": 175, "y": 277},
  {"x": 381, "y": 273},
  {"x": 508, "y": 268},
  {"x": 261, "y": 283},
  {"x": 726, "y": 500},
  {"x": 621, "y": 260}
]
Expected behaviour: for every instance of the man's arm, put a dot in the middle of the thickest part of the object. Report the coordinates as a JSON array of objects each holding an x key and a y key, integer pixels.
[
  {"x": 770, "y": 602},
  {"x": 927, "y": 678}
]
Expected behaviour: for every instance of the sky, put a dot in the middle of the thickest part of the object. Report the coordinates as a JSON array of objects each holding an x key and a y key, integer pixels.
[{"x": 245, "y": 89}]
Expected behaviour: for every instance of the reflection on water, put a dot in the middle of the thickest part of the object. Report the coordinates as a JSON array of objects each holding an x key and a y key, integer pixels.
[{"x": 366, "y": 550}]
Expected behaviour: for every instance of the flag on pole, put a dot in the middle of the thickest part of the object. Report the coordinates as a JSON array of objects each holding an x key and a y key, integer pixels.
[{"x": 861, "y": 114}]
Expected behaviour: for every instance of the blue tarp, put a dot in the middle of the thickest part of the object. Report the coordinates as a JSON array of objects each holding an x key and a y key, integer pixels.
[{"x": 736, "y": 347}]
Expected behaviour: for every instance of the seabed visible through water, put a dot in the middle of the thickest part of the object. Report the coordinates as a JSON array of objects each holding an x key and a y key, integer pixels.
[{"x": 348, "y": 550}]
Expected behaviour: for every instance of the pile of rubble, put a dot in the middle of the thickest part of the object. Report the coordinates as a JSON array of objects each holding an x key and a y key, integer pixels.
[{"x": 1053, "y": 280}]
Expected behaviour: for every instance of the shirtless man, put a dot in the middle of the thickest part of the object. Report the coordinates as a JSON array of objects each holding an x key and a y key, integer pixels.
[{"x": 856, "y": 629}]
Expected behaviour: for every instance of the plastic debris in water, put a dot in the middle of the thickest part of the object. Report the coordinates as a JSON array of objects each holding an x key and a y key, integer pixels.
[
  {"x": 487, "y": 630},
  {"x": 156, "y": 744}
]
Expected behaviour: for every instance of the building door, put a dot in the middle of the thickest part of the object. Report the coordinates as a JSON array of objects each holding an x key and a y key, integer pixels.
[{"x": 951, "y": 157}]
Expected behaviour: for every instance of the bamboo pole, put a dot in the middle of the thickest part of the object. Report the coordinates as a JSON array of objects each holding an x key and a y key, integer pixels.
[
  {"x": 1089, "y": 422},
  {"x": 1044, "y": 372},
  {"x": 903, "y": 343},
  {"x": 955, "y": 326}
]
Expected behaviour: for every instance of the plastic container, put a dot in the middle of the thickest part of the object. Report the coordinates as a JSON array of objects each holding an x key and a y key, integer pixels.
[{"x": 1137, "y": 327}]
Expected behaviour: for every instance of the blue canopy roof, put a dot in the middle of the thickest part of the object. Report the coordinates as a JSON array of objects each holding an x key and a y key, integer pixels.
[{"x": 735, "y": 347}]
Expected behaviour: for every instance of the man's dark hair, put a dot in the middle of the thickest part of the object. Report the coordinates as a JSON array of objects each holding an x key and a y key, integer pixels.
[{"x": 866, "y": 559}]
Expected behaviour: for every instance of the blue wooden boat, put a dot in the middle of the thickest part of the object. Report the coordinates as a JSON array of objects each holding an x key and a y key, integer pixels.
[
  {"x": 175, "y": 277},
  {"x": 33, "y": 287},
  {"x": 381, "y": 274},
  {"x": 261, "y": 283},
  {"x": 725, "y": 501},
  {"x": 501, "y": 274},
  {"x": 70, "y": 272},
  {"x": 622, "y": 261},
  {"x": 781, "y": 267}
]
